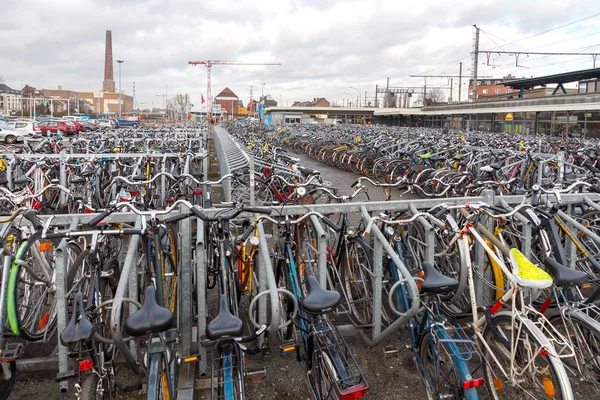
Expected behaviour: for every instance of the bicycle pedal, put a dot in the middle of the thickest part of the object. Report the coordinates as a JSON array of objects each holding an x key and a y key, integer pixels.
[
  {"x": 390, "y": 351},
  {"x": 12, "y": 351},
  {"x": 63, "y": 376},
  {"x": 256, "y": 373},
  {"x": 287, "y": 349},
  {"x": 265, "y": 349}
]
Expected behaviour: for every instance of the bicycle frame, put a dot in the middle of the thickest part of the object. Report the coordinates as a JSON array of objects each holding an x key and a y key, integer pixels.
[{"x": 541, "y": 329}]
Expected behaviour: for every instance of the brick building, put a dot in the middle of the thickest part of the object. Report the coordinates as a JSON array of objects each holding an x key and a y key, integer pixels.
[
  {"x": 490, "y": 87},
  {"x": 228, "y": 101},
  {"x": 316, "y": 102}
]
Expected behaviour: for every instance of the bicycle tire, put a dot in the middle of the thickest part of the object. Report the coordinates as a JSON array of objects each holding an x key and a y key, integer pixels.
[
  {"x": 18, "y": 315},
  {"x": 321, "y": 373},
  {"x": 154, "y": 387},
  {"x": 356, "y": 273},
  {"x": 495, "y": 382},
  {"x": 585, "y": 339},
  {"x": 7, "y": 385},
  {"x": 459, "y": 369}
]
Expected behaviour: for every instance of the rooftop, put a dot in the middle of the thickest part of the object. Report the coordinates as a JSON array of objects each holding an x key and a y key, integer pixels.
[{"x": 565, "y": 77}]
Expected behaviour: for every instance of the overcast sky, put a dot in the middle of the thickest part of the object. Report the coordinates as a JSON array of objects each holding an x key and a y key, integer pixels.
[{"x": 323, "y": 46}]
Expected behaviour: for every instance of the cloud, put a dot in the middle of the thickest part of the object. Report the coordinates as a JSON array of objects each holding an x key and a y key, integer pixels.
[{"x": 323, "y": 46}]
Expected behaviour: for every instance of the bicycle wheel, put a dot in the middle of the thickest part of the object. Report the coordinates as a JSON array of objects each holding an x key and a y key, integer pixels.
[
  {"x": 584, "y": 367},
  {"x": 157, "y": 386},
  {"x": 356, "y": 270},
  {"x": 443, "y": 373},
  {"x": 537, "y": 375},
  {"x": 322, "y": 376},
  {"x": 7, "y": 383},
  {"x": 262, "y": 193},
  {"x": 229, "y": 374},
  {"x": 92, "y": 389},
  {"x": 32, "y": 304}
]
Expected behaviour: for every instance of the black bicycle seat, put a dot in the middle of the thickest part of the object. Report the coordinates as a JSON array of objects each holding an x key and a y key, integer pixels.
[
  {"x": 77, "y": 179},
  {"x": 319, "y": 300},
  {"x": 226, "y": 324},
  {"x": 564, "y": 276},
  {"x": 150, "y": 318},
  {"x": 435, "y": 282},
  {"x": 21, "y": 180},
  {"x": 79, "y": 328},
  {"x": 87, "y": 170},
  {"x": 139, "y": 178},
  {"x": 308, "y": 171}
]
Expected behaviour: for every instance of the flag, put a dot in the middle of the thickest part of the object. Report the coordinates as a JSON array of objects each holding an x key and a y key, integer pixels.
[{"x": 203, "y": 101}]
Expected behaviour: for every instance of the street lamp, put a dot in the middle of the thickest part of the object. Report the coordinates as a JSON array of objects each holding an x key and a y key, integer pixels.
[
  {"x": 358, "y": 94},
  {"x": 120, "y": 62}
]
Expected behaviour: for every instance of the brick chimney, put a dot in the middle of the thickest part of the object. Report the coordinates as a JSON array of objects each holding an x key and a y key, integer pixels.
[{"x": 108, "y": 85}]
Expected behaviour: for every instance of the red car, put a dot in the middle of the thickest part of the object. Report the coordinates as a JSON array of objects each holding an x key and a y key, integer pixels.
[
  {"x": 54, "y": 126},
  {"x": 79, "y": 126}
]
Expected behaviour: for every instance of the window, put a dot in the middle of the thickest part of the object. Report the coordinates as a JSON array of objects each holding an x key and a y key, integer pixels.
[
  {"x": 508, "y": 90},
  {"x": 479, "y": 82},
  {"x": 485, "y": 91},
  {"x": 488, "y": 82},
  {"x": 498, "y": 91},
  {"x": 21, "y": 125}
]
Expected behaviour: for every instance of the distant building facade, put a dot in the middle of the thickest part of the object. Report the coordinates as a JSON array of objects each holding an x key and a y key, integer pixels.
[
  {"x": 10, "y": 99},
  {"x": 490, "y": 87},
  {"x": 316, "y": 102},
  {"x": 228, "y": 102}
]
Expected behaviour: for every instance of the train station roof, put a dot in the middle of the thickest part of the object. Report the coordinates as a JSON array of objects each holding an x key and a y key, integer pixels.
[{"x": 565, "y": 77}]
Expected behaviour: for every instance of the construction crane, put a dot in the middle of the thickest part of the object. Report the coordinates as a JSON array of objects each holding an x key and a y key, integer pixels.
[{"x": 210, "y": 63}]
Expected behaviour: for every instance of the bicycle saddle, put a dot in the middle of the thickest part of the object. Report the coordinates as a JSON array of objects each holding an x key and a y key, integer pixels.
[
  {"x": 87, "y": 170},
  {"x": 308, "y": 171},
  {"x": 21, "y": 180},
  {"x": 77, "y": 179},
  {"x": 435, "y": 282},
  {"x": 225, "y": 324},
  {"x": 319, "y": 300},
  {"x": 564, "y": 276},
  {"x": 140, "y": 177},
  {"x": 150, "y": 318},
  {"x": 79, "y": 328}
]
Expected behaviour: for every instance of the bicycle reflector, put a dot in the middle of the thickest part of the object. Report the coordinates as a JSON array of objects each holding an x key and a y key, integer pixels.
[
  {"x": 473, "y": 383},
  {"x": 355, "y": 392},
  {"x": 549, "y": 388},
  {"x": 86, "y": 365}
]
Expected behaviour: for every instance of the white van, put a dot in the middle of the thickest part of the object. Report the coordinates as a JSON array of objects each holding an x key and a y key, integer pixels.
[{"x": 72, "y": 118}]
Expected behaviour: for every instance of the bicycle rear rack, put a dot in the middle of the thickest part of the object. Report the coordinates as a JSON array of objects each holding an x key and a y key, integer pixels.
[{"x": 330, "y": 342}]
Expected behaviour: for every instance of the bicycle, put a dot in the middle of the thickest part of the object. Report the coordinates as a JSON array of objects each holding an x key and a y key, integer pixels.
[{"x": 332, "y": 370}]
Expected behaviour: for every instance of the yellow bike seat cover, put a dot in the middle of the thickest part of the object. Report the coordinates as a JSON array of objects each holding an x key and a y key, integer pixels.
[{"x": 527, "y": 274}]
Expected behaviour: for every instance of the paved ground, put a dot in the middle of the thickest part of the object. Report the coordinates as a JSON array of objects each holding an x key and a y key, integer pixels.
[{"x": 286, "y": 379}]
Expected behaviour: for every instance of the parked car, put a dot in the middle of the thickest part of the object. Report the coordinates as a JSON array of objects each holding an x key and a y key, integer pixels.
[
  {"x": 10, "y": 136},
  {"x": 30, "y": 127},
  {"x": 72, "y": 118},
  {"x": 106, "y": 124},
  {"x": 56, "y": 126},
  {"x": 91, "y": 125},
  {"x": 78, "y": 125}
]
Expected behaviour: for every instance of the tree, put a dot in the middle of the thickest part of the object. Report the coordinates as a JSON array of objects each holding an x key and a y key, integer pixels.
[{"x": 435, "y": 97}]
